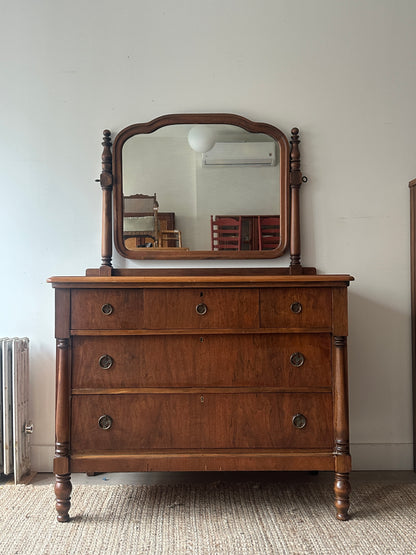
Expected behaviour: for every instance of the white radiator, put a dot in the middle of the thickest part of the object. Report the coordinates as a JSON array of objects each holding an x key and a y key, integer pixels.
[{"x": 14, "y": 423}]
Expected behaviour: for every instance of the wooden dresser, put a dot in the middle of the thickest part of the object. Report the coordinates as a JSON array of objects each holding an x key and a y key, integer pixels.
[{"x": 201, "y": 372}]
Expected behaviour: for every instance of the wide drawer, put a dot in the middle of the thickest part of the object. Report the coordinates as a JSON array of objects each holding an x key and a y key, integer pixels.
[
  {"x": 269, "y": 360},
  {"x": 201, "y": 421},
  {"x": 296, "y": 307},
  {"x": 164, "y": 308}
]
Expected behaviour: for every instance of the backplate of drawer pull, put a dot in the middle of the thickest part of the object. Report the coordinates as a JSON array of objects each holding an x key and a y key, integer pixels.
[
  {"x": 201, "y": 309},
  {"x": 106, "y": 362},
  {"x": 297, "y": 359},
  {"x": 105, "y": 422},
  {"x": 296, "y": 308},
  {"x": 299, "y": 421},
  {"x": 107, "y": 309}
]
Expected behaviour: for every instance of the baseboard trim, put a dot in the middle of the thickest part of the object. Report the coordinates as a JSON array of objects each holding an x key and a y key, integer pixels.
[{"x": 382, "y": 456}]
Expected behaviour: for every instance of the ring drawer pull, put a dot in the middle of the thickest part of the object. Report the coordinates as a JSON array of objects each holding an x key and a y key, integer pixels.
[
  {"x": 106, "y": 362},
  {"x": 296, "y": 308},
  {"x": 201, "y": 309},
  {"x": 105, "y": 422},
  {"x": 107, "y": 309},
  {"x": 297, "y": 359},
  {"x": 299, "y": 421}
]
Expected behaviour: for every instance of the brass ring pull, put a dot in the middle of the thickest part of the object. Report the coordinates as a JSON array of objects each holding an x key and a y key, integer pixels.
[
  {"x": 299, "y": 421},
  {"x": 296, "y": 308},
  {"x": 105, "y": 422},
  {"x": 107, "y": 309},
  {"x": 297, "y": 359},
  {"x": 106, "y": 362},
  {"x": 201, "y": 309}
]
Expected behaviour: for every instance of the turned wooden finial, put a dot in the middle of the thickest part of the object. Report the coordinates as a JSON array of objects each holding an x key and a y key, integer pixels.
[
  {"x": 295, "y": 181},
  {"x": 106, "y": 182},
  {"x": 106, "y": 156}
]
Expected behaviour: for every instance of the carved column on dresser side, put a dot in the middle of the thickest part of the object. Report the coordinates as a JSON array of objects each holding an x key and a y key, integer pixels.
[
  {"x": 106, "y": 181},
  {"x": 61, "y": 465},
  {"x": 63, "y": 485},
  {"x": 342, "y": 486},
  {"x": 295, "y": 181}
]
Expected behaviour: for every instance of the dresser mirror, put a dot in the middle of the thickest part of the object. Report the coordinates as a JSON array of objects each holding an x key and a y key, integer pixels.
[{"x": 200, "y": 186}]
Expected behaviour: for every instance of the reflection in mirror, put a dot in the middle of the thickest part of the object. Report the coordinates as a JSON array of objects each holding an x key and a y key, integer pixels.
[{"x": 201, "y": 188}]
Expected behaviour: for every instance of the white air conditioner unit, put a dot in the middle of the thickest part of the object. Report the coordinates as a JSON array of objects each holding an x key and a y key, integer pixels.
[{"x": 240, "y": 154}]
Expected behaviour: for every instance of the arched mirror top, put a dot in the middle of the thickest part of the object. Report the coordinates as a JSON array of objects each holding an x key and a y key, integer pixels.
[{"x": 201, "y": 186}]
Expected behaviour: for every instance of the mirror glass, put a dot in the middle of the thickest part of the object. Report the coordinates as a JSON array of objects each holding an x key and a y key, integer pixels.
[{"x": 200, "y": 189}]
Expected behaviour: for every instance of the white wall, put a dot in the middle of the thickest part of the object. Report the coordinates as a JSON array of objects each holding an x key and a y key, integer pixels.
[{"x": 344, "y": 72}]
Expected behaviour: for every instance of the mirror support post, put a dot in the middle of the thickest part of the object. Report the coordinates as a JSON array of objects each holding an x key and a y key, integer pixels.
[
  {"x": 295, "y": 183},
  {"x": 106, "y": 181}
]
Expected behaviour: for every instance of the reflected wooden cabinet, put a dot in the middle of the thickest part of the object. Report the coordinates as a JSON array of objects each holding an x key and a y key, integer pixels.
[
  {"x": 165, "y": 222},
  {"x": 245, "y": 233},
  {"x": 191, "y": 373}
]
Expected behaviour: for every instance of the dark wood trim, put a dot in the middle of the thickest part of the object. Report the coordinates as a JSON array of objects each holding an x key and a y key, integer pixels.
[
  {"x": 412, "y": 186},
  {"x": 125, "y": 272},
  {"x": 63, "y": 485},
  {"x": 62, "y": 312},
  {"x": 106, "y": 181},
  {"x": 295, "y": 183},
  {"x": 341, "y": 427},
  {"x": 172, "y": 119},
  {"x": 224, "y": 460},
  {"x": 342, "y": 490},
  {"x": 213, "y": 281}
]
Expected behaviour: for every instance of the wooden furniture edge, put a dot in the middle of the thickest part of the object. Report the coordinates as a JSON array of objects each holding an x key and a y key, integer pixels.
[{"x": 94, "y": 281}]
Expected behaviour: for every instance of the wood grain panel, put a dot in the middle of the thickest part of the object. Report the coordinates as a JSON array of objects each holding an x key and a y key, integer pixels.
[
  {"x": 193, "y": 421},
  {"x": 316, "y": 307},
  {"x": 190, "y": 461},
  {"x": 202, "y": 360},
  {"x": 87, "y": 314},
  {"x": 176, "y": 308}
]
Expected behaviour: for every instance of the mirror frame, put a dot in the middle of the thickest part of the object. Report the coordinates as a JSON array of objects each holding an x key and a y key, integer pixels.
[{"x": 176, "y": 119}]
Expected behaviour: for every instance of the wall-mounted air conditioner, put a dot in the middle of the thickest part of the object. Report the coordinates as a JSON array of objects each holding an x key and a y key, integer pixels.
[{"x": 240, "y": 154}]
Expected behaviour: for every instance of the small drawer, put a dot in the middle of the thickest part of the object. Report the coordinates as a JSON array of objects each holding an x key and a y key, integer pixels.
[
  {"x": 297, "y": 307},
  {"x": 201, "y": 308},
  {"x": 226, "y": 360},
  {"x": 201, "y": 421},
  {"x": 104, "y": 309}
]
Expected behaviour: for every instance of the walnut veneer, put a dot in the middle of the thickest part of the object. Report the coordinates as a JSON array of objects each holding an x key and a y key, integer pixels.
[{"x": 201, "y": 372}]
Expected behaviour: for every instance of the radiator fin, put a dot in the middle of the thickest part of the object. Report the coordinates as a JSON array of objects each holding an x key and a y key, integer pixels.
[{"x": 14, "y": 401}]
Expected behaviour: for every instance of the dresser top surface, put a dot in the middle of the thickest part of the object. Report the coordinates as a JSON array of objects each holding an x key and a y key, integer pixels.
[{"x": 255, "y": 280}]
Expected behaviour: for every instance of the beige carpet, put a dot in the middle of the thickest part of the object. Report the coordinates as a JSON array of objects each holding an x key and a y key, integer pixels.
[{"x": 214, "y": 518}]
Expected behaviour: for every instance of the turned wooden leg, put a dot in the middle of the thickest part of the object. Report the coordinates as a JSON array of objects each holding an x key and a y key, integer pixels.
[
  {"x": 63, "y": 488},
  {"x": 342, "y": 490}
]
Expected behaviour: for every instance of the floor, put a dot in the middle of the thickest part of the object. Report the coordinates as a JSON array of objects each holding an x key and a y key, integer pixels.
[{"x": 206, "y": 477}]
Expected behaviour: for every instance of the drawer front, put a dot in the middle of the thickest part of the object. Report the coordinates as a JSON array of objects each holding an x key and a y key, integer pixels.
[
  {"x": 201, "y": 421},
  {"x": 164, "y": 308},
  {"x": 297, "y": 307},
  {"x": 104, "y": 309},
  {"x": 270, "y": 360},
  {"x": 201, "y": 308}
]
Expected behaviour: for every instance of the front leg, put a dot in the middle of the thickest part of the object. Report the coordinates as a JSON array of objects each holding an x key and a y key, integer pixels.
[
  {"x": 63, "y": 488},
  {"x": 61, "y": 464},
  {"x": 342, "y": 490}
]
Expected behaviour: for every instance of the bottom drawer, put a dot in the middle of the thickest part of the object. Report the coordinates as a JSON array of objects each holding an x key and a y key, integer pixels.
[{"x": 201, "y": 421}]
